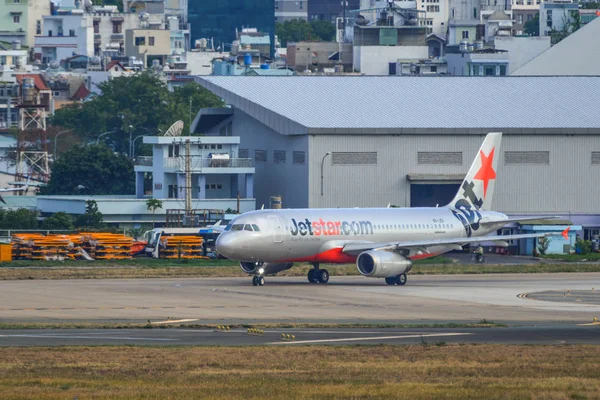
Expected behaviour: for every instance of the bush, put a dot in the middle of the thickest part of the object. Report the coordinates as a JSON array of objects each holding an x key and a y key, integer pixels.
[{"x": 583, "y": 246}]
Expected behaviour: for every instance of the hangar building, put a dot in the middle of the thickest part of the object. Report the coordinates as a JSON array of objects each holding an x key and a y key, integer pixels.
[{"x": 344, "y": 141}]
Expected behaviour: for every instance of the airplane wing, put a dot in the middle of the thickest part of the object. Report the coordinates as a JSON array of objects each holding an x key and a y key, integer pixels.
[
  {"x": 357, "y": 248},
  {"x": 516, "y": 219}
]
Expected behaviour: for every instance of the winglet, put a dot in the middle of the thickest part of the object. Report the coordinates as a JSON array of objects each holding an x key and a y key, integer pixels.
[{"x": 565, "y": 233}]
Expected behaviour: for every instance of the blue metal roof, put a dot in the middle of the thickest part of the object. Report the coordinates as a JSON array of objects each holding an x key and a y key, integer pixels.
[{"x": 395, "y": 103}]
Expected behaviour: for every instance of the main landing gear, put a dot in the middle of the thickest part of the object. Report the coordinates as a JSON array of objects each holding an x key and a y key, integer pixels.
[
  {"x": 399, "y": 280},
  {"x": 316, "y": 275}
]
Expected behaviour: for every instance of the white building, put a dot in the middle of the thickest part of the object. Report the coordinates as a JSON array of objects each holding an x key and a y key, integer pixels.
[
  {"x": 556, "y": 16},
  {"x": 286, "y": 10},
  {"x": 64, "y": 36},
  {"x": 436, "y": 14}
]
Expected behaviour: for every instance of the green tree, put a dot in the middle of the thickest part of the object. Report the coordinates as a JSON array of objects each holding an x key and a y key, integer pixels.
[
  {"x": 153, "y": 205},
  {"x": 323, "y": 30},
  {"x": 532, "y": 27},
  {"x": 21, "y": 218},
  {"x": 295, "y": 30},
  {"x": 58, "y": 221},
  {"x": 93, "y": 170},
  {"x": 132, "y": 106},
  {"x": 92, "y": 219}
]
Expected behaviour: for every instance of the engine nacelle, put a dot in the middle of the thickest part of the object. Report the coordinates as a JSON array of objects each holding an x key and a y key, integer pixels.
[
  {"x": 268, "y": 269},
  {"x": 382, "y": 264}
]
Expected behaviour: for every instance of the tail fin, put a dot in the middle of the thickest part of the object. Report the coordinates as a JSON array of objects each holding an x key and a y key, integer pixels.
[{"x": 477, "y": 190}]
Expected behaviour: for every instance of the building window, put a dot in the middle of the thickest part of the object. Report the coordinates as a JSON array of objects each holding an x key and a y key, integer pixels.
[
  {"x": 301, "y": 5},
  {"x": 16, "y": 19},
  {"x": 151, "y": 41},
  {"x": 260, "y": 156},
  {"x": 96, "y": 26},
  {"x": 433, "y": 69},
  {"x": 354, "y": 158},
  {"x": 172, "y": 191},
  {"x": 56, "y": 94},
  {"x": 71, "y": 32},
  {"x": 439, "y": 158},
  {"x": 433, "y": 8},
  {"x": 452, "y": 13},
  {"x": 117, "y": 27},
  {"x": 38, "y": 27},
  {"x": 277, "y": 5},
  {"x": 476, "y": 70},
  {"x": 519, "y": 18},
  {"x": 527, "y": 157},
  {"x": 474, "y": 12},
  {"x": 243, "y": 153},
  {"x": 279, "y": 156},
  {"x": 529, "y": 17},
  {"x": 299, "y": 157},
  {"x": 503, "y": 70},
  {"x": 140, "y": 41},
  {"x": 174, "y": 150},
  {"x": 16, "y": 1},
  {"x": 465, "y": 34}
]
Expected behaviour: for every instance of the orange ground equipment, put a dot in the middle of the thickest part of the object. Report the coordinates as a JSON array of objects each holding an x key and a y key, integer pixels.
[{"x": 184, "y": 247}]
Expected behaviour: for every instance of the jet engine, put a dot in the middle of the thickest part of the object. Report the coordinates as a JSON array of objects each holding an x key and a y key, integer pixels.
[
  {"x": 382, "y": 264},
  {"x": 268, "y": 269}
]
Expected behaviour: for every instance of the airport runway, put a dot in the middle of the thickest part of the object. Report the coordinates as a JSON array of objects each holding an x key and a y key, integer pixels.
[
  {"x": 508, "y": 298},
  {"x": 240, "y": 337}
]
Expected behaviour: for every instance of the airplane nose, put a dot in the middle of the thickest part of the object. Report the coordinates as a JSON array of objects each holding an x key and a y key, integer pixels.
[{"x": 225, "y": 245}]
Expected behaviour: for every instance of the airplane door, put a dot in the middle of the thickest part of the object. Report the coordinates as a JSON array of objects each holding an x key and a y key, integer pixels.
[{"x": 277, "y": 228}]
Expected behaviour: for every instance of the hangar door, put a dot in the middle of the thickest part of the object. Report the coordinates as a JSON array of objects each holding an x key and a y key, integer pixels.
[{"x": 433, "y": 190}]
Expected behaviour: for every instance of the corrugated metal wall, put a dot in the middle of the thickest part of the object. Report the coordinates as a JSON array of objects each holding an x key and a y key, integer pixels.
[{"x": 569, "y": 183}]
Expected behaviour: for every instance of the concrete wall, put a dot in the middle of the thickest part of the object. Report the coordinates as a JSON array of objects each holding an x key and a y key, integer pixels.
[
  {"x": 288, "y": 180},
  {"x": 36, "y": 10},
  {"x": 567, "y": 185},
  {"x": 455, "y": 34},
  {"x": 374, "y": 60},
  {"x": 521, "y": 50}
]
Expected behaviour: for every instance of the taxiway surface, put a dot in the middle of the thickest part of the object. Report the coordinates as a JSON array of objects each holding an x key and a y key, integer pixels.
[{"x": 425, "y": 299}]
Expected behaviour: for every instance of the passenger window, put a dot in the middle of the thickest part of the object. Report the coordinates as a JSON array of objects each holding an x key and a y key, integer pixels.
[
  {"x": 255, "y": 228},
  {"x": 237, "y": 227}
]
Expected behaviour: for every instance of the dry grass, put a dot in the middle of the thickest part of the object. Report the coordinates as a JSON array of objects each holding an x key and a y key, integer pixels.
[{"x": 403, "y": 372}]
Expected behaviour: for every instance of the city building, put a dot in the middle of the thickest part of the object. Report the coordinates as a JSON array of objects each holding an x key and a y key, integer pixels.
[
  {"x": 319, "y": 56},
  {"x": 286, "y": 10},
  {"x": 219, "y": 21},
  {"x": 147, "y": 45},
  {"x": 22, "y": 19},
  {"x": 376, "y": 141},
  {"x": 329, "y": 10},
  {"x": 436, "y": 15},
  {"x": 523, "y": 11},
  {"x": 64, "y": 36},
  {"x": 464, "y": 30},
  {"x": 574, "y": 55},
  {"x": 477, "y": 62},
  {"x": 557, "y": 16},
  {"x": 465, "y": 10}
]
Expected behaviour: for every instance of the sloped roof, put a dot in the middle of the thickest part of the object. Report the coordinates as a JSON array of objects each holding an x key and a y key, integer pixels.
[
  {"x": 380, "y": 104},
  {"x": 81, "y": 93},
  {"x": 38, "y": 80},
  {"x": 113, "y": 63},
  {"x": 577, "y": 54}
]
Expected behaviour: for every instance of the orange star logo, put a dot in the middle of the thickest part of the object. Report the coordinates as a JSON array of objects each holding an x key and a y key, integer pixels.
[{"x": 486, "y": 172}]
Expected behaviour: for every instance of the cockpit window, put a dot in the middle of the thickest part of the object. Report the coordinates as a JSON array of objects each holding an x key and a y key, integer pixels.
[
  {"x": 237, "y": 227},
  {"x": 255, "y": 228},
  {"x": 248, "y": 227},
  {"x": 228, "y": 227}
]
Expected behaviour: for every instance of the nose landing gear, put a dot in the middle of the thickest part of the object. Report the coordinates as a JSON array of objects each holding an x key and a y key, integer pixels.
[
  {"x": 258, "y": 280},
  {"x": 316, "y": 275}
]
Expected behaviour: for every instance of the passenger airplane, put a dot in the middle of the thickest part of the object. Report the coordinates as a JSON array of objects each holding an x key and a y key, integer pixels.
[{"x": 382, "y": 241}]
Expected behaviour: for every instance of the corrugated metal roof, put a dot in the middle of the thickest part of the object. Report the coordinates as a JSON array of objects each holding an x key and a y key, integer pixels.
[
  {"x": 393, "y": 103},
  {"x": 247, "y": 39}
]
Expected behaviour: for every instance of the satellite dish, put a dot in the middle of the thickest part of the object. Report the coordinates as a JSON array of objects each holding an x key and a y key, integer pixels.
[{"x": 175, "y": 129}]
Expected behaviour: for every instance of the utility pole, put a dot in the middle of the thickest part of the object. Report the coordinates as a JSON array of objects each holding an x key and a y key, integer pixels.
[{"x": 188, "y": 180}]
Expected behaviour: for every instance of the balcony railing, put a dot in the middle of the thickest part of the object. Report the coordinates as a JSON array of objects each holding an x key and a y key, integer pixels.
[{"x": 197, "y": 163}]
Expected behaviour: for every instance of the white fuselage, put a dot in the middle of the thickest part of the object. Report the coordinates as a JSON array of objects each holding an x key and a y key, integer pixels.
[{"x": 319, "y": 235}]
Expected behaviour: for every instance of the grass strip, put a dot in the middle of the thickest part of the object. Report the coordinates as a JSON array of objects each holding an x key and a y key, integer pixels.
[
  {"x": 302, "y": 372},
  {"x": 200, "y": 270}
]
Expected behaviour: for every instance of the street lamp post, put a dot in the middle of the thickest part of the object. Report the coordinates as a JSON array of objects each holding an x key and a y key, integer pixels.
[
  {"x": 133, "y": 145},
  {"x": 103, "y": 134},
  {"x": 56, "y": 140},
  {"x": 322, "y": 163}
]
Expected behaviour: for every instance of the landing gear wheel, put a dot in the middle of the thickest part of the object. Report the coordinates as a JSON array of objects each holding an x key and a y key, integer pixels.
[
  {"x": 401, "y": 280},
  {"x": 391, "y": 280},
  {"x": 323, "y": 276},
  {"x": 312, "y": 276},
  {"x": 261, "y": 281},
  {"x": 255, "y": 281}
]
